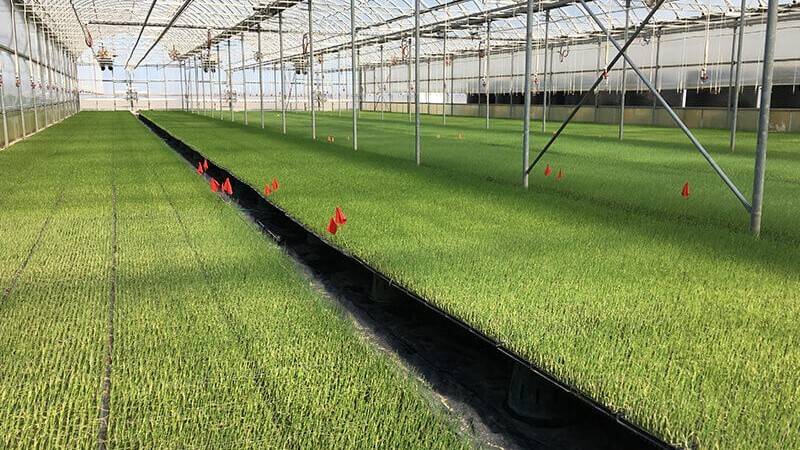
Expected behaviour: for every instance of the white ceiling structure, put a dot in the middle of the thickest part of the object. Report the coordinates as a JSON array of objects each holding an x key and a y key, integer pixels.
[{"x": 145, "y": 31}]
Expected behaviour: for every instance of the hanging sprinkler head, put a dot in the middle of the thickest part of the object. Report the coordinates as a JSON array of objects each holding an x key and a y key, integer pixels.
[
  {"x": 104, "y": 58},
  {"x": 704, "y": 77}
]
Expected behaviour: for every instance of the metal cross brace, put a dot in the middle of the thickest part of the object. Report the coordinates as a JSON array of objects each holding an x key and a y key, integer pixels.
[
  {"x": 597, "y": 82},
  {"x": 622, "y": 54},
  {"x": 734, "y": 189}
]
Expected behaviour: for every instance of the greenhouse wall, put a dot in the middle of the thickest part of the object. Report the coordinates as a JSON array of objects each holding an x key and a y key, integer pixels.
[
  {"x": 781, "y": 120},
  {"x": 37, "y": 85}
]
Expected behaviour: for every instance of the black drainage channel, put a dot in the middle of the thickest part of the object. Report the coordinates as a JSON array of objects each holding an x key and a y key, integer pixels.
[{"x": 500, "y": 397}]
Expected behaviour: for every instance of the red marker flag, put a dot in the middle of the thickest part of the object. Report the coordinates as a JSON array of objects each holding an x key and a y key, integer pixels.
[
  {"x": 275, "y": 184},
  {"x": 339, "y": 217},
  {"x": 547, "y": 171},
  {"x": 205, "y": 164},
  {"x": 332, "y": 227},
  {"x": 267, "y": 190},
  {"x": 226, "y": 186},
  {"x": 560, "y": 175},
  {"x": 214, "y": 185},
  {"x": 199, "y": 168},
  {"x": 685, "y": 191}
]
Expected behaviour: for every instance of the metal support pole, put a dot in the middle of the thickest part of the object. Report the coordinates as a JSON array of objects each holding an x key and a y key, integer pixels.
[
  {"x": 62, "y": 91},
  {"x": 230, "y": 80},
  {"x": 272, "y": 88},
  {"x": 3, "y": 106},
  {"x": 75, "y": 90},
  {"x": 70, "y": 83},
  {"x": 57, "y": 83},
  {"x": 362, "y": 89},
  {"x": 511, "y": 87},
  {"x": 54, "y": 86},
  {"x": 180, "y": 80},
  {"x": 283, "y": 74},
  {"x": 417, "y": 137},
  {"x": 74, "y": 81},
  {"x": 202, "y": 81},
  {"x": 383, "y": 105},
  {"x": 738, "y": 81},
  {"x": 275, "y": 85},
  {"x": 763, "y": 116},
  {"x": 545, "y": 77},
  {"x": 63, "y": 82},
  {"x": 260, "y": 78},
  {"x": 42, "y": 71},
  {"x": 191, "y": 85},
  {"x": 50, "y": 73},
  {"x": 481, "y": 75},
  {"x": 526, "y": 115},
  {"x": 31, "y": 72},
  {"x": 452, "y": 84},
  {"x": 166, "y": 98},
  {"x": 408, "y": 84},
  {"x": 77, "y": 85},
  {"x": 428, "y": 89},
  {"x": 311, "y": 74},
  {"x": 486, "y": 77},
  {"x": 147, "y": 87},
  {"x": 197, "y": 86},
  {"x": 244, "y": 83},
  {"x": 354, "y": 65},
  {"x": 64, "y": 85},
  {"x": 188, "y": 92},
  {"x": 624, "y": 74},
  {"x": 130, "y": 88},
  {"x": 73, "y": 85},
  {"x": 219, "y": 83},
  {"x": 599, "y": 68},
  {"x": 63, "y": 78},
  {"x": 322, "y": 96},
  {"x": 339, "y": 87},
  {"x": 17, "y": 79},
  {"x": 657, "y": 73},
  {"x": 731, "y": 70},
  {"x": 444, "y": 68}
]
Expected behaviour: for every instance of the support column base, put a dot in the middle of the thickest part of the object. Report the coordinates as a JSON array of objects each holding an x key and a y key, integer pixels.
[{"x": 537, "y": 401}]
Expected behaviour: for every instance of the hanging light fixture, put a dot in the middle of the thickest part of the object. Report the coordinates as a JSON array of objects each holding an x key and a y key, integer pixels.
[{"x": 105, "y": 58}]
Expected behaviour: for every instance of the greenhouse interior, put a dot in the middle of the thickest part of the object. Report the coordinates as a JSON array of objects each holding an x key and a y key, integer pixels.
[{"x": 400, "y": 224}]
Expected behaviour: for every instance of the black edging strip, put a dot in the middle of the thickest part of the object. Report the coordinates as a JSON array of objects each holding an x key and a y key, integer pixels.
[{"x": 623, "y": 426}]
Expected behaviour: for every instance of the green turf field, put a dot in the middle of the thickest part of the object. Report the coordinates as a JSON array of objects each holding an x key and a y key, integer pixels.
[
  {"x": 662, "y": 308},
  {"x": 218, "y": 343}
]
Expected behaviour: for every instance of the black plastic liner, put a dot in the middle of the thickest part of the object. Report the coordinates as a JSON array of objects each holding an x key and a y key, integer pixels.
[{"x": 472, "y": 373}]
